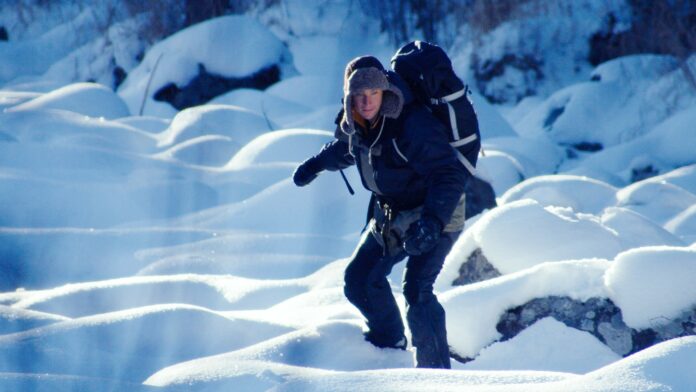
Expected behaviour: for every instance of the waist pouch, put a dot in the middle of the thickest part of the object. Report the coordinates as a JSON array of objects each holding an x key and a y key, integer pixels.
[{"x": 389, "y": 226}]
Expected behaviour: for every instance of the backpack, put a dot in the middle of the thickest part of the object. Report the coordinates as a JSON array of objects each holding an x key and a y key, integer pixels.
[{"x": 427, "y": 70}]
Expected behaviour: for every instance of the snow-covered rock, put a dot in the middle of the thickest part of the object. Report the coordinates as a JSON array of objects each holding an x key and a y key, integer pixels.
[
  {"x": 176, "y": 61},
  {"x": 522, "y": 234}
]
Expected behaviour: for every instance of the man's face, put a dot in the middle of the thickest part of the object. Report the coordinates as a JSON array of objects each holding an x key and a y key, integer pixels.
[{"x": 367, "y": 103}]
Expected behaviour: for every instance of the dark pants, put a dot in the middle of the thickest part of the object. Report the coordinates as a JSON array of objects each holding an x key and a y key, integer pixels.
[{"x": 367, "y": 287}]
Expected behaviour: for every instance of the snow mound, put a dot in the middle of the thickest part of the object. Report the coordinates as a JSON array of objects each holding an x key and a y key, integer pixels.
[
  {"x": 148, "y": 124},
  {"x": 64, "y": 130},
  {"x": 96, "y": 345},
  {"x": 9, "y": 98},
  {"x": 316, "y": 306},
  {"x": 415, "y": 380},
  {"x": 274, "y": 147},
  {"x": 652, "y": 285},
  {"x": 240, "y": 125},
  {"x": 683, "y": 177},
  {"x": 206, "y": 150},
  {"x": 310, "y": 90},
  {"x": 243, "y": 242},
  {"x": 684, "y": 224},
  {"x": 15, "y": 320},
  {"x": 627, "y": 68},
  {"x": 579, "y": 193},
  {"x": 337, "y": 345},
  {"x": 114, "y": 197},
  {"x": 89, "y": 99},
  {"x": 635, "y": 230},
  {"x": 657, "y": 200},
  {"x": 562, "y": 116},
  {"x": 665, "y": 366},
  {"x": 491, "y": 123},
  {"x": 275, "y": 108},
  {"x": 500, "y": 169},
  {"x": 210, "y": 374},
  {"x": 276, "y": 266},
  {"x": 534, "y": 156},
  {"x": 66, "y": 383},
  {"x": 654, "y": 152},
  {"x": 510, "y": 241},
  {"x": 220, "y": 293}
]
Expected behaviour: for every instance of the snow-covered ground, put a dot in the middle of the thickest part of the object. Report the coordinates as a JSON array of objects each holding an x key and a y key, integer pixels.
[{"x": 171, "y": 251}]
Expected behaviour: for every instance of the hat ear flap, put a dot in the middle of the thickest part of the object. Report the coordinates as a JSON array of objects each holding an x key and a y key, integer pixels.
[
  {"x": 392, "y": 102},
  {"x": 347, "y": 125}
]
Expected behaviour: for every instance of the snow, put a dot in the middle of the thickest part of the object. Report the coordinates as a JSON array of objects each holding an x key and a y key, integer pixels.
[
  {"x": 170, "y": 251},
  {"x": 546, "y": 345},
  {"x": 652, "y": 284}
]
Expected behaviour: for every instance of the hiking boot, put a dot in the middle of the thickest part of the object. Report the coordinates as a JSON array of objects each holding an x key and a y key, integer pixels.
[{"x": 378, "y": 341}]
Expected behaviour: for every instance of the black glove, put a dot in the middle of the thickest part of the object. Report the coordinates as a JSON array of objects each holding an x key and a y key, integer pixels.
[
  {"x": 307, "y": 171},
  {"x": 422, "y": 236}
]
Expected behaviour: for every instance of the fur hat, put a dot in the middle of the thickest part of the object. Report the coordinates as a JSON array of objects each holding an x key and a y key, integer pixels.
[{"x": 367, "y": 73}]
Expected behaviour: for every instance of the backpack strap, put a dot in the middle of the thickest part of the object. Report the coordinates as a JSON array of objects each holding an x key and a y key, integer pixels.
[
  {"x": 449, "y": 98},
  {"x": 465, "y": 162}
]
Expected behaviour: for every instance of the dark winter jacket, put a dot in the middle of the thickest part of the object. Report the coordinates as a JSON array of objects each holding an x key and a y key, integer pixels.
[{"x": 406, "y": 162}]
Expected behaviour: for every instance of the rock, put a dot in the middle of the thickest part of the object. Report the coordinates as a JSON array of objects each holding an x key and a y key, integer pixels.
[
  {"x": 206, "y": 86},
  {"x": 618, "y": 339},
  {"x": 475, "y": 269},
  {"x": 642, "y": 173},
  {"x": 119, "y": 74},
  {"x": 598, "y": 316},
  {"x": 588, "y": 146}
]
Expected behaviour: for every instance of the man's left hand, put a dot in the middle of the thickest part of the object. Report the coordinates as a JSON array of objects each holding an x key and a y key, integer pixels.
[{"x": 422, "y": 236}]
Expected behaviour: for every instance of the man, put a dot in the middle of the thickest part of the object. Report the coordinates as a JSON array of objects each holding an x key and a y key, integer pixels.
[{"x": 405, "y": 160}]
